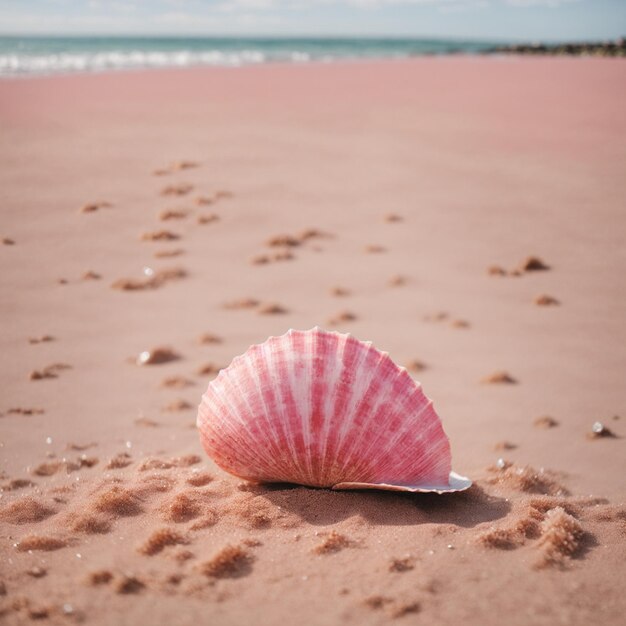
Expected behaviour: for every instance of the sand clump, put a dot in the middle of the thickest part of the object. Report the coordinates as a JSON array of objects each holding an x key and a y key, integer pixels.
[
  {"x": 26, "y": 510},
  {"x": 159, "y": 235},
  {"x": 333, "y": 542},
  {"x": 156, "y": 280},
  {"x": 231, "y": 561},
  {"x": 127, "y": 584},
  {"x": 177, "y": 405},
  {"x": 272, "y": 309},
  {"x": 242, "y": 303},
  {"x": 526, "y": 479},
  {"x": 546, "y": 300},
  {"x": 339, "y": 292},
  {"x": 25, "y": 411},
  {"x": 343, "y": 316},
  {"x": 168, "y": 254},
  {"x": 160, "y": 539},
  {"x": 40, "y": 542},
  {"x": 177, "y": 382},
  {"x": 209, "y": 369},
  {"x": 200, "y": 479},
  {"x": 99, "y": 577},
  {"x": 161, "y": 464},
  {"x": 499, "y": 378},
  {"x": 173, "y": 214},
  {"x": 397, "y": 280},
  {"x": 183, "y": 507},
  {"x": 92, "y": 207},
  {"x": 91, "y": 524},
  {"x": 416, "y": 366},
  {"x": 561, "y": 538},
  {"x": 545, "y": 421},
  {"x": 207, "y": 218},
  {"x": 181, "y": 189},
  {"x": 401, "y": 565},
  {"x": 118, "y": 502},
  {"x": 40, "y": 339},
  {"x": 375, "y": 249},
  {"x": 119, "y": 461},
  {"x": 50, "y": 371},
  {"x": 157, "y": 356},
  {"x": 206, "y": 339}
]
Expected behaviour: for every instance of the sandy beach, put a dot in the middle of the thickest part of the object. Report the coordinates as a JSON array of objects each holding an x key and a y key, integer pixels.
[{"x": 465, "y": 214}]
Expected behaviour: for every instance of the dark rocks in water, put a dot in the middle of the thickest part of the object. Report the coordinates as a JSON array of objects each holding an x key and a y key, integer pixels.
[{"x": 603, "y": 48}]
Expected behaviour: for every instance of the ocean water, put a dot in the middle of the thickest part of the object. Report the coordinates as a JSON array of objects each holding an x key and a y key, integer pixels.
[{"x": 21, "y": 56}]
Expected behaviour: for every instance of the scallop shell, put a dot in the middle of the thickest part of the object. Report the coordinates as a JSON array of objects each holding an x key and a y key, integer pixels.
[{"x": 324, "y": 409}]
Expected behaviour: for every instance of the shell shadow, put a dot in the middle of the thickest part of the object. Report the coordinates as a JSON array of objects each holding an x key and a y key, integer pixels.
[{"x": 323, "y": 507}]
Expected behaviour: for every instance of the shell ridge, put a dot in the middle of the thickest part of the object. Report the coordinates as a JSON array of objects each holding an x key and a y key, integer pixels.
[
  {"x": 242, "y": 435},
  {"x": 355, "y": 397},
  {"x": 208, "y": 416},
  {"x": 274, "y": 357},
  {"x": 331, "y": 425},
  {"x": 299, "y": 382},
  {"x": 260, "y": 452},
  {"x": 254, "y": 387},
  {"x": 406, "y": 460},
  {"x": 377, "y": 447},
  {"x": 353, "y": 456},
  {"x": 255, "y": 377}
]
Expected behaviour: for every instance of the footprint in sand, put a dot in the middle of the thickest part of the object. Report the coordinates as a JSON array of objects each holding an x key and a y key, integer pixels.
[
  {"x": 153, "y": 279},
  {"x": 180, "y": 189},
  {"x": 242, "y": 303},
  {"x": 272, "y": 309},
  {"x": 90, "y": 275},
  {"x": 94, "y": 206},
  {"x": 177, "y": 406},
  {"x": 393, "y": 217},
  {"x": 530, "y": 264},
  {"x": 499, "y": 378},
  {"x": 398, "y": 280},
  {"x": 177, "y": 382},
  {"x": 24, "y": 411},
  {"x": 209, "y": 339},
  {"x": 7, "y": 241},
  {"x": 545, "y": 421},
  {"x": 340, "y": 318},
  {"x": 173, "y": 214},
  {"x": 167, "y": 254},
  {"x": 50, "y": 371},
  {"x": 340, "y": 292},
  {"x": 546, "y": 300},
  {"x": 159, "y": 235},
  {"x": 40, "y": 339},
  {"x": 375, "y": 249},
  {"x": 209, "y": 369},
  {"x": 207, "y": 218},
  {"x": 176, "y": 166}
]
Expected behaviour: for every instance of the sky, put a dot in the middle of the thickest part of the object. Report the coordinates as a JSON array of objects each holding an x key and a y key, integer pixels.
[{"x": 524, "y": 20}]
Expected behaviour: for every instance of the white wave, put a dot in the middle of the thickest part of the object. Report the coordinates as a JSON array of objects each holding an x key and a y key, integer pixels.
[{"x": 14, "y": 64}]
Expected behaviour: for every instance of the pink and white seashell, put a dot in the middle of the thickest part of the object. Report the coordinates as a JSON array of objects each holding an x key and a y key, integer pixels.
[{"x": 324, "y": 409}]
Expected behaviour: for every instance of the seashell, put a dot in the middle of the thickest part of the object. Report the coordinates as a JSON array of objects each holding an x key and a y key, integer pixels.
[{"x": 324, "y": 409}]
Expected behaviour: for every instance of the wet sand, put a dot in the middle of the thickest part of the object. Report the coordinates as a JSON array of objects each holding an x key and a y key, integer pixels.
[{"x": 464, "y": 214}]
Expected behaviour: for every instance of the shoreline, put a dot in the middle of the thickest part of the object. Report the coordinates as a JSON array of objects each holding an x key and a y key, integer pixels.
[{"x": 356, "y": 62}]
